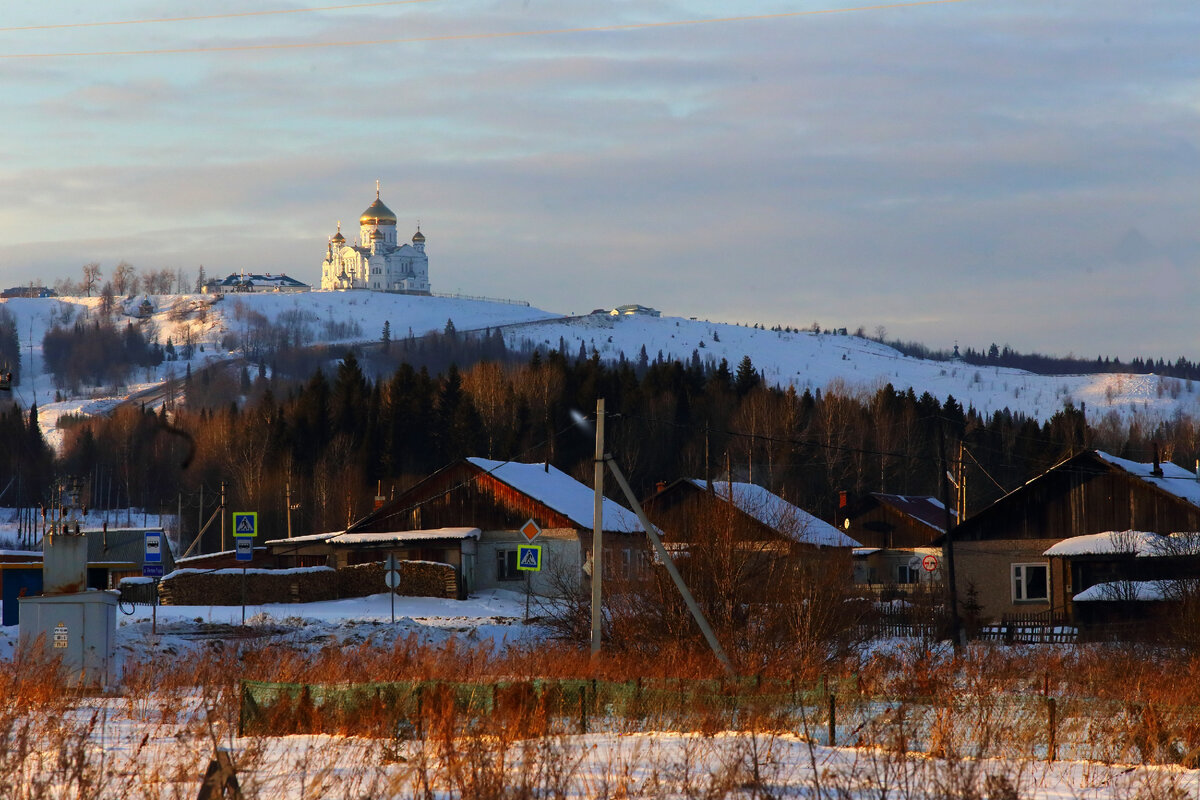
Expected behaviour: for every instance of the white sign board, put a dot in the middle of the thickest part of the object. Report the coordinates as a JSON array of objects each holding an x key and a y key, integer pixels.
[{"x": 60, "y": 636}]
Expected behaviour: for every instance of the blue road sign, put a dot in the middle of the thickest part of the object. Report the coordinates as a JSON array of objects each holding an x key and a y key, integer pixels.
[
  {"x": 245, "y": 523},
  {"x": 152, "y": 570},
  {"x": 153, "y": 552},
  {"x": 245, "y": 549},
  {"x": 529, "y": 557}
]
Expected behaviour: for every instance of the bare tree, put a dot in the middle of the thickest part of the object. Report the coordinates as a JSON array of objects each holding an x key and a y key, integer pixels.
[
  {"x": 182, "y": 281},
  {"x": 122, "y": 280},
  {"x": 91, "y": 276},
  {"x": 107, "y": 300}
]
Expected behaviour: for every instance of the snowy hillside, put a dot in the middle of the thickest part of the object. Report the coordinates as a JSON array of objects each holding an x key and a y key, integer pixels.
[{"x": 802, "y": 359}]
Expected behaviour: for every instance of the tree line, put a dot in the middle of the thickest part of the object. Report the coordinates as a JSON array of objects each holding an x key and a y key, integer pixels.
[{"x": 335, "y": 439}]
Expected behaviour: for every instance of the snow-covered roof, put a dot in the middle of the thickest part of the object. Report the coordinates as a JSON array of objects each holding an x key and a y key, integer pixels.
[
  {"x": 861, "y": 552},
  {"x": 1141, "y": 591},
  {"x": 1140, "y": 543},
  {"x": 778, "y": 514},
  {"x": 310, "y": 538},
  {"x": 926, "y": 509},
  {"x": 1174, "y": 479},
  {"x": 398, "y": 537},
  {"x": 268, "y": 280},
  {"x": 559, "y": 491}
]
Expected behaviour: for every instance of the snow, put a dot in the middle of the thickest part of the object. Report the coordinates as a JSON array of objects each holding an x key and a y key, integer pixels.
[
  {"x": 387, "y": 538},
  {"x": 1174, "y": 479},
  {"x": 1140, "y": 591},
  {"x": 558, "y": 490},
  {"x": 804, "y": 360},
  {"x": 136, "y": 581},
  {"x": 778, "y": 514},
  {"x": 247, "y": 570},
  {"x": 1139, "y": 543}
]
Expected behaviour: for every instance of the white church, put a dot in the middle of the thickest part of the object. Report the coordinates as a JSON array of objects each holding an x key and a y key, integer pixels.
[{"x": 377, "y": 261}]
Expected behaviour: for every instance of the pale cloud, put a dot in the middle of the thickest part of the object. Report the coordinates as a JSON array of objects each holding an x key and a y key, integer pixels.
[{"x": 957, "y": 172}]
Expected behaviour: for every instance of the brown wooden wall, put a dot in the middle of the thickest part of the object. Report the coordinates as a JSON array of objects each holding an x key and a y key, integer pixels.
[
  {"x": 879, "y": 525},
  {"x": 1077, "y": 501},
  {"x": 461, "y": 496}
]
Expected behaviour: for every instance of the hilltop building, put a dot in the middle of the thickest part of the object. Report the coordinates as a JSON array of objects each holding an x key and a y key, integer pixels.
[
  {"x": 244, "y": 282},
  {"x": 377, "y": 261}
]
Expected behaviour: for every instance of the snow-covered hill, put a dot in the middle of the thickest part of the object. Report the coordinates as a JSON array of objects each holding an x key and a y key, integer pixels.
[{"x": 802, "y": 359}]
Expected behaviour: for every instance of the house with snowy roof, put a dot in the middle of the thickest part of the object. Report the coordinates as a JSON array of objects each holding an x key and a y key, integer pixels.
[
  {"x": 896, "y": 532},
  {"x": 1136, "y": 580},
  {"x": 743, "y": 533},
  {"x": 471, "y": 514},
  {"x": 246, "y": 282},
  {"x": 1002, "y": 551}
]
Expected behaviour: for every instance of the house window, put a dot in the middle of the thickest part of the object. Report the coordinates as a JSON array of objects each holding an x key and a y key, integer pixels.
[
  {"x": 506, "y": 566},
  {"x": 906, "y": 574},
  {"x": 1030, "y": 583}
]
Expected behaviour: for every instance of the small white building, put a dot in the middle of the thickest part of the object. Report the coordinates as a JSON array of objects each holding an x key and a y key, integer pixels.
[
  {"x": 635, "y": 310},
  {"x": 377, "y": 260},
  {"x": 244, "y": 282}
]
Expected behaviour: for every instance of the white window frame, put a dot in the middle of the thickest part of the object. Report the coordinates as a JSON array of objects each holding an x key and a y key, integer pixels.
[{"x": 1018, "y": 576}]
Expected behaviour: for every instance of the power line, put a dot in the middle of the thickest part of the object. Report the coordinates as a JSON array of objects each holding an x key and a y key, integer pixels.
[
  {"x": 204, "y": 17},
  {"x": 450, "y": 37}
]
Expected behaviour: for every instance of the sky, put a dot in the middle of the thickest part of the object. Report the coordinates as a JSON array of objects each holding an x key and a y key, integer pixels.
[{"x": 1009, "y": 171}]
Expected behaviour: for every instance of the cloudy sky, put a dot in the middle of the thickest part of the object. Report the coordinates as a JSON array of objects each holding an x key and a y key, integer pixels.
[{"x": 1017, "y": 171}]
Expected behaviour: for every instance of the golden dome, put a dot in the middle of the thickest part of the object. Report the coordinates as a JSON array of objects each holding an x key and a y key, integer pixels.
[
  {"x": 418, "y": 236},
  {"x": 377, "y": 213}
]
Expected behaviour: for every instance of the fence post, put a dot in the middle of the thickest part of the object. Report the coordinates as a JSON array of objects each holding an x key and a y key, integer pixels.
[
  {"x": 1052, "y": 743},
  {"x": 832, "y": 719},
  {"x": 420, "y": 712},
  {"x": 583, "y": 709}
]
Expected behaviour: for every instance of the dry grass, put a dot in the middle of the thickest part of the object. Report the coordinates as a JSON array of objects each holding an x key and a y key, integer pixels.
[{"x": 925, "y": 722}]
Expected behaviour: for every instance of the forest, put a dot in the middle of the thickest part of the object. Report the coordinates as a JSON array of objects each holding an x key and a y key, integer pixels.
[{"x": 378, "y": 419}]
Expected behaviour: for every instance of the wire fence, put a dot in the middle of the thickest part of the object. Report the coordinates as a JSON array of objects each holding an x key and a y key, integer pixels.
[{"x": 1032, "y": 727}]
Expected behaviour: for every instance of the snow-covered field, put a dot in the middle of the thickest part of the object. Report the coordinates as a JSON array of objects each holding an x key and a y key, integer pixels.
[
  {"x": 802, "y": 359},
  {"x": 146, "y": 743}
]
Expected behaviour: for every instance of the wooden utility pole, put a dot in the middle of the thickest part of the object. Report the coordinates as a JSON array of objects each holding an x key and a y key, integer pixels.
[
  {"x": 288, "y": 500},
  {"x": 948, "y": 540},
  {"x": 597, "y": 530},
  {"x": 222, "y": 510}
]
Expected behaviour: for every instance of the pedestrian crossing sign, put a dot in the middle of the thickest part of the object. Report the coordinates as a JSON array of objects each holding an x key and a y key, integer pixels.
[
  {"x": 529, "y": 557},
  {"x": 245, "y": 523}
]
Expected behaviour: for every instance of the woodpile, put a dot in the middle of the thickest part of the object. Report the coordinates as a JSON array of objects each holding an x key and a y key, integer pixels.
[
  {"x": 224, "y": 587},
  {"x": 310, "y": 584},
  {"x": 417, "y": 579}
]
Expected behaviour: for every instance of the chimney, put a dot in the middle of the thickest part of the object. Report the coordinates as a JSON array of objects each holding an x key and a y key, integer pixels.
[{"x": 1157, "y": 471}]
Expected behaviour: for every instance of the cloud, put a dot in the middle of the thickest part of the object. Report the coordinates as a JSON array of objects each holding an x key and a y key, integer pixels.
[{"x": 955, "y": 172}]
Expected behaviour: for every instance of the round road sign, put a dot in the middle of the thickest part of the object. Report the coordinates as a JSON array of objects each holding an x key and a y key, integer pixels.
[{"x": 929, "y": 562}]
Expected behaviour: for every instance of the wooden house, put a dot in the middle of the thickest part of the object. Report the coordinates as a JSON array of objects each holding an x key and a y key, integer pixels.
[
  {"x": 896, "y": 532},
  {"x": 744, "y": 535},
  {"x": 471, "y": 514},
  {"x": 1000, "y": 553}
]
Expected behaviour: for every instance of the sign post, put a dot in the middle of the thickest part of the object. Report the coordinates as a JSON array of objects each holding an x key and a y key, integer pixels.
[
  {"x": 529, "y": 559},
  {"x": 245, "y": 528},
  {"x": 391, "y": 576},
  {"x": 152, "y": 567}
]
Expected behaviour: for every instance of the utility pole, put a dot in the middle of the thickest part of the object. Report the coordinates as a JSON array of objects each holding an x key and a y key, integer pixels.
[
  {"x": 289, "y": 509},
  {"x": 597, "y": 529},
  {"x": 222, "y": 509},
  {"x": 961, "y": 475},
  {"x": 948, "y": 541}
]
